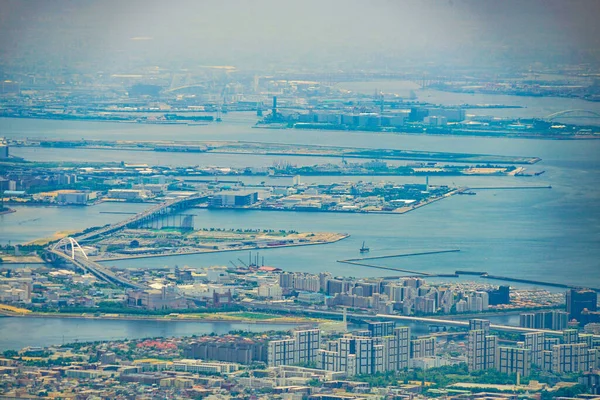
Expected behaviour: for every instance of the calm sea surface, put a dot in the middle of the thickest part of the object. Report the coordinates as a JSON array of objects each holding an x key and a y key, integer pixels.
[{"x": 543, "y": 234}]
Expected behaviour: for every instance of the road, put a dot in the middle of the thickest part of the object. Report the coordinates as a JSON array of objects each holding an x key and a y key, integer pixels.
[
  {"x": 138, "y": 217},
  {"x": 97, "y": 270},
  {"x": 450, "y": 322}
]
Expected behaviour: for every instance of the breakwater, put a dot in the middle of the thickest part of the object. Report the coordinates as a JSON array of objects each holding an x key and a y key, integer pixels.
[
  {"x": 509, "y": 187},
  {"x": 384, "y": 267},
  {"x": 360, "y": 261},
  {"x": 422, "y": 253},
  {"x": 485, "y": 275}
]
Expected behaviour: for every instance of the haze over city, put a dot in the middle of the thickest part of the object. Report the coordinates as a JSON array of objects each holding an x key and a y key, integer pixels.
[
  {"x": 299, "y": 199},
  {"x": 276, "y": 35}
]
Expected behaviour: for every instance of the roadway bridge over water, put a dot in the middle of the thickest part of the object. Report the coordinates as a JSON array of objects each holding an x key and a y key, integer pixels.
[
  {"x": 576, "y": 114},
  {"x": 146, "y": 216},
  {"x": 68, "y": 249}
]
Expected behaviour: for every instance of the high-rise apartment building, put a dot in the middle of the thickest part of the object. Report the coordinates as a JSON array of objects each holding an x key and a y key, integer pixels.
[
  {"x": 302, "y": 349},
  {"x": 481, "y": 350},
  {"x": 307, "y": 344},
  {"x": 574, "y": 357},
  {"x": 422, "y": 347},
  {"x": 360, "y": 352},
  {"x": 379, "y": 329},
  {"x": 554, "y": 320},
  {"x": 512, "y": 360},
  {"x": 570, "y": 336},
  {"x": 282, "y": 352},
  {"x": 534, "y": 342},
  {"x": 479, "y": 324},
  {"x": 402, "y": 336}
]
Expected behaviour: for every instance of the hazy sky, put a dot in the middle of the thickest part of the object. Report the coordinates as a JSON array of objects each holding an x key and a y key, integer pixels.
[{"x": 120, "y": 35}]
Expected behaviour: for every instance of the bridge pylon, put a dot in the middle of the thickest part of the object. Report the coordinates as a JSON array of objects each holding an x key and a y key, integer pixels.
[
  {"x": 575, "y": 113},
  {"x": 64, "y": 243}
]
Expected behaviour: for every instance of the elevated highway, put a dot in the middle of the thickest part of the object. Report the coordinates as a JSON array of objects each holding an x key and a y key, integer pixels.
[
  {"x": 167, "y": 207},
  {"x": 463, "y": 324},
  {"x": 576, "y": 113},
  {"x": 69, "y": 250}
]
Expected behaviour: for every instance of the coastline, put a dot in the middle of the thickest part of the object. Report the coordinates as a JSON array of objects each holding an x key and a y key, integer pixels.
[
  {"x": 401, "y": 211},
  {"x": 508, "y": 134},
  {"x": 397, "y": 211},
  {"x": 280, "y": 149},
  {"x": 495, "y": 134}
]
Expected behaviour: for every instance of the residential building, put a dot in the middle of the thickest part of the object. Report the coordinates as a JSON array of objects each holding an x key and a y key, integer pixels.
[
  {"x": 579, "y": 300},
  {"x": 512, "y": 360}
]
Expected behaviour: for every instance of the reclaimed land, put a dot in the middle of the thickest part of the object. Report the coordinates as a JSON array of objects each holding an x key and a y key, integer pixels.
[
  {"x": 281, "y": 149},
  {"x": 399, "y": 210},
  {"x": 322, "y": 238}
]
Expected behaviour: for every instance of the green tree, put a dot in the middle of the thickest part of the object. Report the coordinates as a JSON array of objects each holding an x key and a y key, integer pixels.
[
  {"x": 568, "y": 392},
  {"x": 10, "y": 353}
]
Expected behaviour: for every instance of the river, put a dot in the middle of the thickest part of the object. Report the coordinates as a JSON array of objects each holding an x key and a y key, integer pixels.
[{"x": 19, "y": 332}]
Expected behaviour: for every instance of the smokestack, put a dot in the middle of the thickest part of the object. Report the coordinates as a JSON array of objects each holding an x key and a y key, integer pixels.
[{"x": 274, "y": 106}]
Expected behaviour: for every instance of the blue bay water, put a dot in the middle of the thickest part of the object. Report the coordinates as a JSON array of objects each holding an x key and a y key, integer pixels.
[{"x": 544, "y": 234}]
